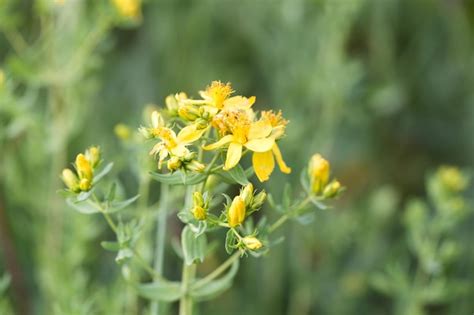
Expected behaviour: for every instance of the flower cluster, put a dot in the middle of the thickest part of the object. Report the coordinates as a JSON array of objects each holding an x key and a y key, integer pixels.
[
  {"x": 228, "y": 121},
  {"x": 84, "y": 165}
]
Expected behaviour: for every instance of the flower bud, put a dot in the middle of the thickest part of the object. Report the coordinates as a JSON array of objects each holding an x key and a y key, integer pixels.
[
  {"x": 83, "y": 167},
  {"x": 70, "y": 179},
  {"x": 145, "y": 132},
  {"x": 236, "y": 212},
  {"x": 199, "y": 213},
  {"x": 247, "y": 194},
  {"x": 198, "y": 199},
  {"x": 259, "y": 200},
  {"x": 251, "y": 242},
  {"x": 157, "y": 120},
  {"x": 332, "y": 189},
  {"x": 174, "y": 163},
  {"x": 195, "y": 166},
  {"x": 122, "y": 132},
  {"x": 172, "y": 105},
  {"x": 188, "y": 112},
  {"x": 93, "y": 155},
  {"x": 318, "y": 171},
  {"x": 85, "y": 184}
]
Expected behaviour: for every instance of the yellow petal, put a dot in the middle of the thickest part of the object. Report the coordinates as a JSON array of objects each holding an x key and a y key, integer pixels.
[
  {"x": 223, "y": 141},
  {"x": 281, "y": 164},
  {"x": 240, "y": 102},
  {"x": 259, "y": 129},
  {"x": 190, "y": 134},
  {"x": 260, "y": 145},
  {"x": 234, "y": 153},
  {"x": 263, "y": 164}
]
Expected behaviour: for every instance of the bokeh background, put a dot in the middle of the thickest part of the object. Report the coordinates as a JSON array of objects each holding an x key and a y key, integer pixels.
[{"x": 383, "y": 89}]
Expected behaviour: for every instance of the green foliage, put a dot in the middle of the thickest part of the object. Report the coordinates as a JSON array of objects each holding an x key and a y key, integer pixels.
[{"x": 382, "y": 88}]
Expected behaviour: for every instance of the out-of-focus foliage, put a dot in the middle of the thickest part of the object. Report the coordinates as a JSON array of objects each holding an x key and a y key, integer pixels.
[{"x": 383, "y": 88}]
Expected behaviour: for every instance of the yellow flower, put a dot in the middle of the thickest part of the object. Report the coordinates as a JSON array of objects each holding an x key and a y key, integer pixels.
[
  {"x": 244, "y": 133},
  {"x": 216, "y": 94},
  {"x": 247, "y": 194},
  {"x": 252, "y": 242},
  {"x": 236, "y": 212},
  {"x": 128, "y": 8},
  {"x": 318, "y": 171},
  {"x": 264, "y": 162}
]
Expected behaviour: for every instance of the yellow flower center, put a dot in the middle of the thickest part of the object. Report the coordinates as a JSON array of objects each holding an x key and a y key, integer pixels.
[{"x": 219, "y": 92}]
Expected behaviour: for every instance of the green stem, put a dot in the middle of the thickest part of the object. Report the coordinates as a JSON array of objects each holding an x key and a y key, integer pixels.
[
  {"x": 218, "y": 271},
  {"x": 160, "y": 238},
  {"x": 186, "y": 302},
  {"x": 290, "y": 213}
]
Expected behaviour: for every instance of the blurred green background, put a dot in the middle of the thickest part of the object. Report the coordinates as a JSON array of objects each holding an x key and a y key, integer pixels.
[{"x": 383, "y": 89}]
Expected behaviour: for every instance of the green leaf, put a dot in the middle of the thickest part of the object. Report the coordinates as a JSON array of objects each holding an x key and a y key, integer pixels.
[
  {"x": 238, "y": 175},
  {"x": 84, "y": 195},
  {"x": 110, "y": 246},
  {"x": 193, "y": 247},
  {"x": 216, "y": 287},
  {"x": 111, "y": 193},
  {"x": 230, "y": 241},
  {"x": 160, "y": 290},
  {"x": 82, "y": 207},
  {"x": 304, "y": 180},
  {"x": 102, "y": 173},
  {"x": 119, "y": 205},
  {"x": 179, "y": 178}
]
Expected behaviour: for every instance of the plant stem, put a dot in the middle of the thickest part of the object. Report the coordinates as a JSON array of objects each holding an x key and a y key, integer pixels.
[
  {"x": 219, "y": 270},
  {"x": 287, "y": 215},
  {"x": 160, "y": 238},
  {"x": 186, "y": 302}
]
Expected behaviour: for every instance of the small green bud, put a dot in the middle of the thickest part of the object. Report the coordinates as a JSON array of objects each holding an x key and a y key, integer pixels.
[
  {"x": 259, "y": 200},
  {"x": 332, "y": 189},
  {"x": 247, "y": 194}
]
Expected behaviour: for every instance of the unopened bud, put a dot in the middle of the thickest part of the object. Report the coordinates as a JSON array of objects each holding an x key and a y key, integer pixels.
[
  {"x": 85, "y": 184},
  {"x": 145, "y": 132},
  {"x": 318, "y": 171},
  {"x": 157, "y": 120},
  {"x": 236, "y": 213},
  {"x": 195, "y": 166},
  {"x": 70, "y": 179},
  {"x": 83, "y": 167},
  {"x": 199, "y": 213},
  {"x": 251, "y": 242},
  {"x": 332, "y": 189},
  {"x": 198, "y": 199},
  {"x": 247, "y": 194},
  {"x": 174, "y": 163},
  {"x": 93, "y": 155},
  {"x": 259, "y": 200},
  {"x": 188, "y": 112}
]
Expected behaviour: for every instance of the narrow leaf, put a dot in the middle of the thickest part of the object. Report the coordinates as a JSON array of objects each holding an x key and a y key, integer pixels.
[
  {"x": 102, "y": 173},
  {"x": 216, "y": 287},
  {"x": 160, "y": 290}
]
